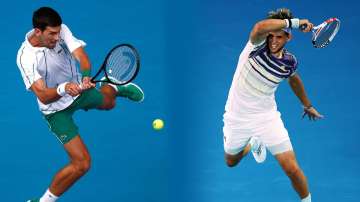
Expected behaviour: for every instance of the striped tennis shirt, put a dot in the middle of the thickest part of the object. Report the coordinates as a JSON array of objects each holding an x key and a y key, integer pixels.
[
  {"x": 257, "y": 77},
  {"x": 54, "y": 66}
]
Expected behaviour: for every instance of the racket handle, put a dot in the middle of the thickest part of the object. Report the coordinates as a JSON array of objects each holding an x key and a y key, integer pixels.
[{"x": 303, "y": 27}]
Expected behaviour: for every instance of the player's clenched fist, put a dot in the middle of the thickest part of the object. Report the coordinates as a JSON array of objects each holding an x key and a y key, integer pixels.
[{"x": 73, "y": 89}]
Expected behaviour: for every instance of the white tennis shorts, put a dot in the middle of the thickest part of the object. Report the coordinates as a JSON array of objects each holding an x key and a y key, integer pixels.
[{"x": 268, "y": 127}]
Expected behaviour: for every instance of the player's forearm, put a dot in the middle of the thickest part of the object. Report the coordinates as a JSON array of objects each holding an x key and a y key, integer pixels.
[
  {"x": 262, "y": 28},
  {"x": 299, "y": 90},
  {"x": 48, "y": 95},
  {"x": 45, "y": 95},
  {"x": 83, "y": 59}
]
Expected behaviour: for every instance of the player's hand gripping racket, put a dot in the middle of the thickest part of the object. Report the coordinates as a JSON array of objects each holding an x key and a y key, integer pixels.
[
  {"x": 120, "y": 66},
  {"x": 324, "y": 33}
]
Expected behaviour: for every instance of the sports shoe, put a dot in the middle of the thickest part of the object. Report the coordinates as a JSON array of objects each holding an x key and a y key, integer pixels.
[
  {"x": 258, "y": 149},
  {"x": 131, "y": 91}
]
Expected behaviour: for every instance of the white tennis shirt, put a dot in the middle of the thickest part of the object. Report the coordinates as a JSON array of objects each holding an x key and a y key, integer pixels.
[
  {"x": 256, "y": 79},
  {"x": 54, "y": 66}
]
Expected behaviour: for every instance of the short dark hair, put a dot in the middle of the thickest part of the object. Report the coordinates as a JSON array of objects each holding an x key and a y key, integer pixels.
[
  {"x": 46, "y": 16},
  {"x": 280, "y": 13}
]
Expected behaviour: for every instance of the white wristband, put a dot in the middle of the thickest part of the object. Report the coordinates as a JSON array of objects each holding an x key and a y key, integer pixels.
[
  {"x": 61, "y": 89},
  {"x": 295, "y": 23},
  {"x": 287, "y": 23}
]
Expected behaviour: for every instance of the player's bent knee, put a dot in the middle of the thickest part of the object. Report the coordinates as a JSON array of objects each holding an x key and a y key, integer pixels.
[
  {"x": 82, "y": 167},
  {"x": 111, "y": 105},
  {"x": 108, "y": 104}
]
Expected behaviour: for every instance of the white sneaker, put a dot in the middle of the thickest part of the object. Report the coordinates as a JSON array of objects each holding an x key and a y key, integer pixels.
[{"x": 258, "y": 149}]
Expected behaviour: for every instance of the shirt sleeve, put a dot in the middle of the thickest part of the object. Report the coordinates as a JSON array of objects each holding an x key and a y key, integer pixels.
[
  {"x": 28, "y": 68},
  {"x": 255, "y": 48},
  {"x": 295, "y": 66},
  {"x": 69, "y": 39},
  {"x": 258, "y": 45}
]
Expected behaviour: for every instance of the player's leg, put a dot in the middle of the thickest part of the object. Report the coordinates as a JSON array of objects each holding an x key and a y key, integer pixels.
[
  {"x": 110, "y": 92},
  {"x": 109, "y": 97},
  {"x": 288, "y": 163},
  {"x": 240, "y": 138},
  {"x": 233, "y": 159},
  {"x": 79, "y": 164},
  {"x": 62, "y": 125},
  {"x": 276, "y": 138},
  {"x": 235, "y": 142}
]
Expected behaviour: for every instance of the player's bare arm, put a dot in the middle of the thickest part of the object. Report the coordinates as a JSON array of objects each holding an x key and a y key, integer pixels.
[
  {"x": 298, "y": 88},
  {"x": 261, "y": 29},
  {"x": 48, "y": 95},
  {"x": 85, "y": 66}
]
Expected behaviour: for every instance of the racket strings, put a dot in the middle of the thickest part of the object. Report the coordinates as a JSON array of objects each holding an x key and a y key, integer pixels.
[
  {"x": 325, "y": 34},
  {"x": 117, "y": 67},
  {"x": 121, "y": 65}
]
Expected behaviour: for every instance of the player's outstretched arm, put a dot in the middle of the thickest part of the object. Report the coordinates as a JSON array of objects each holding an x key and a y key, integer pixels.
[
  {"x": 48, "y": 95},
  {"x": 297, "y": 87}
]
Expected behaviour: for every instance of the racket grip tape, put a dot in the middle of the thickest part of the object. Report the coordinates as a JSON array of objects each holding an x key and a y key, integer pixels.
[{"x": 303, "y": 27}]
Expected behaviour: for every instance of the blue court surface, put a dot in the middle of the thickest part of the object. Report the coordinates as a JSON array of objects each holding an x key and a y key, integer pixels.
[{"x": 189, "y": 51}]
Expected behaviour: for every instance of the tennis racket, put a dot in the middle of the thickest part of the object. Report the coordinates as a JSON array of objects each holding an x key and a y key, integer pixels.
[
  {"x": 121, "y": 65},
  {"x": 324, "y": 33}
]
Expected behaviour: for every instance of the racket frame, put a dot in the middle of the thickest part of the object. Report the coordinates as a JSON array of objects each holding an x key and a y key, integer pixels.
[
  {"x": 103, "y": 66},
  {"x": 315, "y": 30}
]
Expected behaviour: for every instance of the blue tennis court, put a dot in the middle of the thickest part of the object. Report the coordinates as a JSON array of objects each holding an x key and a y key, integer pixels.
[{"x": 189, "y": 51}]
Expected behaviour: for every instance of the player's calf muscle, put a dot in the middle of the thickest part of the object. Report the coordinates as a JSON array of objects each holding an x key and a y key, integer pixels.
[{"x": 109, "y": 97}]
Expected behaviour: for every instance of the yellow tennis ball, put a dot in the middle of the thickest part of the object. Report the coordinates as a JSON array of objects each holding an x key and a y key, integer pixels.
[{"x": 158, "y": 124}]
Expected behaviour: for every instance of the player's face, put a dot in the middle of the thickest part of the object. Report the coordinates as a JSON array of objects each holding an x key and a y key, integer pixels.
[
  {"x": 49, "y": 37},
  {"x": 277, "y": 41}
]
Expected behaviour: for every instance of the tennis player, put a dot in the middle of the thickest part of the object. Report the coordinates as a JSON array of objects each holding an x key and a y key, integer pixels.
[
  {"x": 251, "y": 120},
  {"x": 47, "y": 62}
]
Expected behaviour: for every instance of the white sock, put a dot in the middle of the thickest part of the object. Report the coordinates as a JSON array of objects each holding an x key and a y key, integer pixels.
[
  {"x": 306, "y": 199},
  {"x": 110, "y": 84},
  {"x": 48, "y": 197},
  {"x": 114, "y": 86}
]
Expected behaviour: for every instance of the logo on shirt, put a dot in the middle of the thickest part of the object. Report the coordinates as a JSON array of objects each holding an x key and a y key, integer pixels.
[{"x": 63, "y": 137}]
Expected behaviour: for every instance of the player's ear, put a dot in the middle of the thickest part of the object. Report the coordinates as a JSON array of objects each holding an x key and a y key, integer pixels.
[
  {"x": 37, "y": 31},
  {"x": 289, "y": 37}
]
